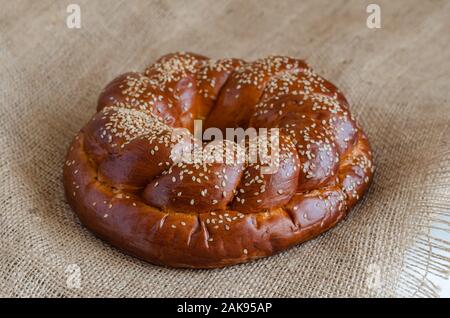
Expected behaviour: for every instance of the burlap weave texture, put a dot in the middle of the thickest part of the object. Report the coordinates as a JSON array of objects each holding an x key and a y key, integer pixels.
[{"x": 396, "y": 78}]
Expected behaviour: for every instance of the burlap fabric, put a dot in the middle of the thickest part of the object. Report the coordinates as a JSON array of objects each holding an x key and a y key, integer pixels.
[{"x": 396, "y": 78}]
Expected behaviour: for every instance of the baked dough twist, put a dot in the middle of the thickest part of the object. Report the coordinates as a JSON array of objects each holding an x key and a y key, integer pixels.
[{"x": 125, "y": 186}]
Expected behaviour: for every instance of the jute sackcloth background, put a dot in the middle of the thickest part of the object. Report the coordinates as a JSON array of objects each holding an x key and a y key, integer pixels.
[{"x": 396, "y": 78}]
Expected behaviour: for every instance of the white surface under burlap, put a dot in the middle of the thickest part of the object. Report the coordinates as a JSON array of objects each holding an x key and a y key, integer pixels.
[{"x": 396, "y": 78}]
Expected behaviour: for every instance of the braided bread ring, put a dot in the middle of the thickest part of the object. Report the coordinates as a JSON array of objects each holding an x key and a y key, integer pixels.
[{"x": 120, "y": 178}]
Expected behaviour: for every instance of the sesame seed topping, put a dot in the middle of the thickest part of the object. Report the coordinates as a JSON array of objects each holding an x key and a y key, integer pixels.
[{"x": 317, "y": 138}]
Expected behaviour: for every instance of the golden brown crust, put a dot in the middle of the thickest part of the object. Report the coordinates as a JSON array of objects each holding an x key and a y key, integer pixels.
[{"x": 121, "y": 181}]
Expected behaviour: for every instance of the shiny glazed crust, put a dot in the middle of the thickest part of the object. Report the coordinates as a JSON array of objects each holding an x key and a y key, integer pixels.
[{"x": 121, "y": 181}]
